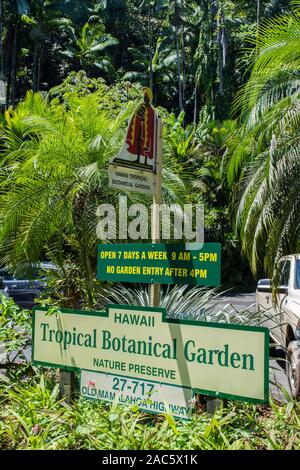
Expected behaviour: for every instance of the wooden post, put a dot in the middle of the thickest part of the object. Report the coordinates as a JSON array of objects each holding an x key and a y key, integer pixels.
[
  {"x": 213, "y": 405},
  {"x": 155, "y": 223},
  {"x": 67, "y": 385}
]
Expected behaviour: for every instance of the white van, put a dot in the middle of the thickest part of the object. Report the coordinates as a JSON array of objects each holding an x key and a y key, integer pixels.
[{"x": 282, "y": 310}]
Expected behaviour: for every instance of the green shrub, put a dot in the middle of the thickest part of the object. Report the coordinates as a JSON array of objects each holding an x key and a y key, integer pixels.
[{"x": 33, "y": 417}]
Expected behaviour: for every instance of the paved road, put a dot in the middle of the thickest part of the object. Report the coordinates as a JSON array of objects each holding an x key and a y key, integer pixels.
[{"x": 239, "y": 300}]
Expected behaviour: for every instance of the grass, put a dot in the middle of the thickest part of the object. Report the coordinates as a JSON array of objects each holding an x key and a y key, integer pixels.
[{"x": 32, "y": 416}]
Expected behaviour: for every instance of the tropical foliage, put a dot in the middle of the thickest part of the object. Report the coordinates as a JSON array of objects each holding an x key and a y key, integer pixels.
[
  {"x": 33, "y": 417},
  {"x": 196, "y": 303},
  {"x": 226, "y": 79},
  {"x": 54, "y": 176},
  {"x": 187, "y": 51},
  {"x": 264, "y": 165}
]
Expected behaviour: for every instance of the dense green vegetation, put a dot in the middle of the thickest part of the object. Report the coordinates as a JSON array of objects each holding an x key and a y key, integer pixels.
[
  {"x": 33, "y": 417},
  {"x": 266, "y": 154},
  {"x": 55, "y": 158},
  {"x": 188, "y": 52},
  {"x": 225, "y": 77}
]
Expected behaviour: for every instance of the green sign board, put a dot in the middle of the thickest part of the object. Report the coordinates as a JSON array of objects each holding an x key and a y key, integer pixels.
[
  {"x": 160, "y": 263},
  {"x": 140, "y": 343}
]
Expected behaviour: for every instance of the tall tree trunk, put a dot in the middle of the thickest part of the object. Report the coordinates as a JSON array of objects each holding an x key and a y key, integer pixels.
[
  {"x": 9, "y": 46},
  {"x": 223, "y": 49},
  {"x": 258, "y": 16},
  {"x": 195, "y": 101},
  {"x": 150, "y": 49},
  {"x": 37, "y": 60},
  {"x": 214, "y": 7},
  {"x": 258, "y": 13},
  {"x": 183, "y": 62},
  {"x": 176, "y": 20},
  {"x": 179, "y": 73},
  {"x": 35, "y": 66},
  {"x": 8, "y": 85},
  {"x": 221, "y": 77},
  {"x": 39, "y": 72},
  {"x": 1, "y": 40},
  {"x": 14, "y": 62}
]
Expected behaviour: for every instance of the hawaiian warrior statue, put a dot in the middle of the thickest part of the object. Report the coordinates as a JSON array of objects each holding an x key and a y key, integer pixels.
[{"x": 139, "y": 150}]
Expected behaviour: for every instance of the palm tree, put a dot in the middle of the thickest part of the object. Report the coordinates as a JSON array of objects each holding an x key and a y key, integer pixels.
[
  {"x": 2, "y": 75},
  {"x": 209, "y": 179},
  {"x": 161, "y": 68},
  {"x": 88, "y": 47},
  {"x": 182, "y": 302},
  {"x": 264, "y": 167}
]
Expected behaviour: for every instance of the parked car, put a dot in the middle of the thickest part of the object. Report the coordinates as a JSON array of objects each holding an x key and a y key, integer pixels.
[
  {"x": 282, "y": 309},
  {"x": 25, "y": 288}
]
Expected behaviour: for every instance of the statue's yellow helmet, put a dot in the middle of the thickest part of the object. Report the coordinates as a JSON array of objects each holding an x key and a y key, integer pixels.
[{"x": 148, "y": 92}]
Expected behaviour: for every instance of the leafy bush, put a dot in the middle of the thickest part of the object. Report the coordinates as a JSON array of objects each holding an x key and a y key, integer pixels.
[
  {"x": 183, "y": 302},
  {"x": 33, "y": 417},
  {"x": 15, "y": 325}
]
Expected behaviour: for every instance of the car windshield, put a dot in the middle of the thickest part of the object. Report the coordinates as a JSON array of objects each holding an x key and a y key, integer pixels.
[{"x": 297, "y": 274}]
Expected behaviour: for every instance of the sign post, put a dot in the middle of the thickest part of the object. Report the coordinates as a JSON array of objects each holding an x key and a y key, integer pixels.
[
  {"x": 138, "y": 166},
  {"x": 66, "y": 385},
  {"x": 155, "y": 226}
]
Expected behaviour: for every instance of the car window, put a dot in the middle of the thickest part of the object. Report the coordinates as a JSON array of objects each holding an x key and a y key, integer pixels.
[
  {"x": 297, "y": 283},
  {"x": 285, "y": 273}
]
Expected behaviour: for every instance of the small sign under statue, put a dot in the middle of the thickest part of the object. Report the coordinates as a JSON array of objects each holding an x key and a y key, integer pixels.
[{"x": 134, "y": 168}]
